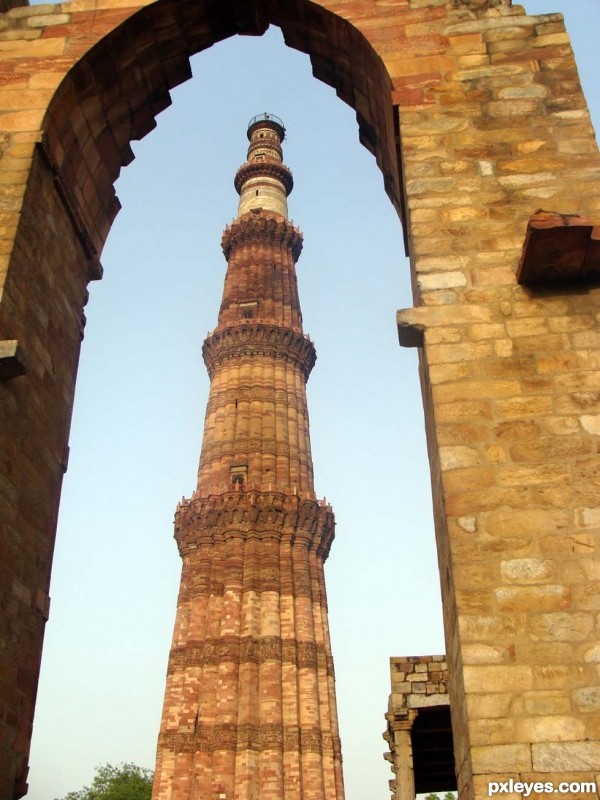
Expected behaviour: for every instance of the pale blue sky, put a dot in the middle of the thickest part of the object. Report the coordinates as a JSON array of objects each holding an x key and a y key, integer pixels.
[{"x": 142, "y": 392}]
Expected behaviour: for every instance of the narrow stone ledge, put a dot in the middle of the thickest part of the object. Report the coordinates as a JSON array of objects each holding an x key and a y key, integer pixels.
[
  {"x": 12, "y": 361},
  {"x": 559, "y": 248},
  {"x": 412, "y": 322}
]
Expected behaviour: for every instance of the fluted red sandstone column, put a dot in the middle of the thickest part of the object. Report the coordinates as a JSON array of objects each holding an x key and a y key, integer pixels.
[{"x": 250, "y": 709}]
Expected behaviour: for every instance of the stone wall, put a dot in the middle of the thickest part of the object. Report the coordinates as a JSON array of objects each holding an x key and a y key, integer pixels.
[
  {"x": 41, "y": 309},
  {"x": 418, "y": 682}
]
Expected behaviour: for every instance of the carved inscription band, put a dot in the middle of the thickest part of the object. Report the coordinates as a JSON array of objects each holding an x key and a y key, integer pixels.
[
  {"x": 228, "y": 736},
  {"x": 245, "y": 649}
]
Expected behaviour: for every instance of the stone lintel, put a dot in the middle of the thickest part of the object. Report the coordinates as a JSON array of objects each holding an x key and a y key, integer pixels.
[
  {"x": 418, "y": 728},
  {"x": 12, "y": 361},
  {"x": 559, "y": 248}
]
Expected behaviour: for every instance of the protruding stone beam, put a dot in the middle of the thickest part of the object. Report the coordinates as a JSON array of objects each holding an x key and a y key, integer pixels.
[
  {"x": 12, "y": 360},
  {"x": 413, "y": 323},
  {"x": 559, "y": 248},
  {"x": 411, "y": 331}
]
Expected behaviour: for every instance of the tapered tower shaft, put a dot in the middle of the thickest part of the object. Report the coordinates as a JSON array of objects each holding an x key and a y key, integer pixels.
[{"x": 250, "y": 711}]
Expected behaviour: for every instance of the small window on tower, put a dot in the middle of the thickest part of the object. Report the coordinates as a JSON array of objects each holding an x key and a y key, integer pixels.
[
  {"x": 239, "y": 475},
  {"x": 249, "y": 310}
]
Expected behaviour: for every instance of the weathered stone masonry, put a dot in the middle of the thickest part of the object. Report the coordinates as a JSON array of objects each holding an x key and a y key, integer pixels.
[
  {"x": 418, "y": 730},
  {"x": 483, "y": 105}
]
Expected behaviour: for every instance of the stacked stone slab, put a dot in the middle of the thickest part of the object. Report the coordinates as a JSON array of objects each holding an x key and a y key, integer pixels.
[
  {"x": 475, "y": 115},
  {"x": 249, "y": 706},
  {"x": 417, "y": 682}
]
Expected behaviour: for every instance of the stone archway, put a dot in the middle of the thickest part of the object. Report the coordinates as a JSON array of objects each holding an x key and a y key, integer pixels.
[
  {"x": 489, "y": 135},
  {"x": 124, "y": 65}
]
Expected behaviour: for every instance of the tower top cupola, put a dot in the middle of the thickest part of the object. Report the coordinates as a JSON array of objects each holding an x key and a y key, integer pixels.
[{"x": 264, "y": 182}]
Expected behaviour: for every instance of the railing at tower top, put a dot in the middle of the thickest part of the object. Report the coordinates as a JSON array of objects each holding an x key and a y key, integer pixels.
[{"x": 266, "y": 118}]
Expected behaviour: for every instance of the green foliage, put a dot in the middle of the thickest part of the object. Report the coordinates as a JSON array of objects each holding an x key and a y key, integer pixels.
[
  {"x": 447, "y": 796},
  {"x": 124, "y": 782}
]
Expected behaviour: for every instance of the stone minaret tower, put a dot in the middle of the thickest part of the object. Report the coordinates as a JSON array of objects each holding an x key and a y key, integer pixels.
[{"x": 250, "y": 711}]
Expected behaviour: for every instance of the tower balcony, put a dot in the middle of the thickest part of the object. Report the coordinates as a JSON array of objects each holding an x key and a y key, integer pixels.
[{"x": 266, "y": 120}]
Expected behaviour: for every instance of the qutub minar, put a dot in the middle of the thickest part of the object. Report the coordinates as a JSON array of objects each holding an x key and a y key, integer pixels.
[{"x": 250, "y": 710}]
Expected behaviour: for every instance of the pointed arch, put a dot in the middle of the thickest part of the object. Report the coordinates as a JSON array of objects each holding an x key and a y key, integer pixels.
[{"x": 115, "y": 91}]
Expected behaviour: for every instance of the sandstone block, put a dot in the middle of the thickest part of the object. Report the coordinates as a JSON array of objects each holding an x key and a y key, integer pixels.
[
  {"x": 38, "y": 48},
  {"x": 568, "y": 324},
  {"x": 534, "y": 90},
  {"x": 592, "y": 654},
  {"x": 542, "y": 598},
  {"x": 527, "y": 327},
  {"x": 534, "y": 521},
  {"x": 461, "y": 433},
  {"x": 446, "y": 264},
  {"x": 486, "y": 331},
  {"x": 579, "y": 381},
  {"x": 496, "y": 454},
  {"x": 468, "y": 524},
  {"x": 475, "y": 600},
  {"x": 566, "y": 756},
  {"x": 426, "y": 700},
  {"x": 554, "y": 676},
  {"x": 503, "y": 758},
  {"x": 546, "y": 702},
  {"x": 504, "y": 368},
  {"x": 561, "y": 626},
  {"x": 490, "y": 706},
  {"x": 441, "y": 280},
  {"x": 587, "y": 698},
  {"x": 492, "y": 731},
  {"x": 473, "y": 389},
  {"x": 549, "y": 449},
  {"x": 540, "y": 474},
  {"x": 495, "y": 678},
  {"x": 587, "y": 597},
  {"x": 518, "y": 430},
  {"x": 561, "y": 426},
  {"x": 588, "y": 517},
  {"x": 468, "y": 479},
  {"x": 513, "y": 108},
  {"x": 443, "y": 336},
  {"x": 527, "y": 570},
  {"x": 483, "y": 654},
  {"x": 591, "y": 423},
  {"x": 568, "y": 545},
  {"x": 551, "y": 39},
  {"x": 550, "y": 729},
  {"x": 459, "y": 456},
  {"x": 442, "y": 373},
  {"x": 492, "y": 627},
  {"x": 489, "y": 499},
  {"x": 520, "y": 407},
  {"x": 471, "y": 410},
  {"x": 47, "y": 20}
]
